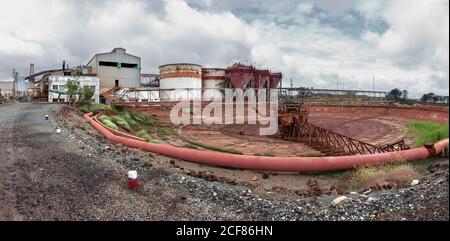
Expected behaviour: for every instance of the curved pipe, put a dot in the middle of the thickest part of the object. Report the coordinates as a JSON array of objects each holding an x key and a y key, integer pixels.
[{"x": 272, "y": 164}]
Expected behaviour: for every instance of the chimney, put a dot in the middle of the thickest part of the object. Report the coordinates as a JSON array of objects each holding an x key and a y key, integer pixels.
[
  {"x": 31, "y": 69},
  {"x": 64, "y": 65}
]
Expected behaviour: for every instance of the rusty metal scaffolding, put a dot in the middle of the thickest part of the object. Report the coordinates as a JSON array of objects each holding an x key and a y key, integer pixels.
[{"x": 331, "y": 142}]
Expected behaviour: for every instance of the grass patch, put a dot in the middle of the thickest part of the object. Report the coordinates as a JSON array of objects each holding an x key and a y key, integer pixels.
[
  {"x": 399, "y": 172},
  {"x": 311, "y": 155},
  {"x": 108, "y": 122},
  {"x": 144, "y": 118},
  {"x": 144, "y": 135},
  {"x": 427, "y": 132},
  {"x": 95, "y": 108},
  {"x": 265, "y": 154},
  {"x": 190, "y": 146},
  {"x": 332, "y": 174},
  {"x": 118, "y": 120},
  {"x": 209, "y": 147}
]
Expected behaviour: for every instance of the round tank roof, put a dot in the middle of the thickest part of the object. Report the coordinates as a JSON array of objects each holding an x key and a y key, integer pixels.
[{"x": 181, "y": 64}]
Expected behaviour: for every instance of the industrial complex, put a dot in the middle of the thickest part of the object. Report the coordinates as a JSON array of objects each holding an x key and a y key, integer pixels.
[{"x": 317, "y": 130}]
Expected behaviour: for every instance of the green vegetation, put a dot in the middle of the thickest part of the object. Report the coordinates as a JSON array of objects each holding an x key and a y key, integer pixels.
[
  {"x": 265, "y": 154},
  {"x": 312, "y": 154},
  {"x": 425, "y": 132},
  {"x": 107, "y": 122},
  {"x": 118, "y": 120},
  {"x": 191, "y": 146},
  {"x": 144, "y": 135},
  {"x": 72, "y": 87},
  {"x": 332, "y": 174},
  {"x": 165, "y": 132},
  {"x": 95, "y": 108},
  {"x": 209, "y": 147},
  {"x": 144, "y": 118},
  {"x": 399, "y": 171}
]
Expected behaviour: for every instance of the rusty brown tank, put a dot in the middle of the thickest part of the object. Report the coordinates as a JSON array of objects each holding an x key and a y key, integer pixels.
[
  {"x": 240, "y": 76},
  {"x": 275, "y": 79},
  {"x": 261, "y": 78}
]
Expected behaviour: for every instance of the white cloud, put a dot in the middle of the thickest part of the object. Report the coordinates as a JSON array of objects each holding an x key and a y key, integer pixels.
[{"x": 301, "y": 39}]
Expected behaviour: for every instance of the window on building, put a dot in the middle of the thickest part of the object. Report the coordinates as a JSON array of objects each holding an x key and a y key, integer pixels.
[
  {"x": 54, "y": 87},
  {"x": 132, "y": 66},
  {"x": 92, "y": 87},
  {"x": 109, "y": 64},
  {"x": 62, "y": 87}
]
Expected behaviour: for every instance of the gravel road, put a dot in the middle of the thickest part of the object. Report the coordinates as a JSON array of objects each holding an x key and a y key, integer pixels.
[{"x": 79, "y": 175}]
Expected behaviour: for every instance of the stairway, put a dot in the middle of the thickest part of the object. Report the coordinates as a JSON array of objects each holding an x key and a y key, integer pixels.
[{"x": 110, "y": 96}]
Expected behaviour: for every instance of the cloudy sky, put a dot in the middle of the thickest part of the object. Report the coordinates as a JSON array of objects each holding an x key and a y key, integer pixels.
[{"x": 319, "y": 43}]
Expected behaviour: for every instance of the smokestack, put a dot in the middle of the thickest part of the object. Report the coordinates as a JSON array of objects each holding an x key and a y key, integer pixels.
[
  {"x": 31, "y": 69},
  {"x": 64, "y": 65}
]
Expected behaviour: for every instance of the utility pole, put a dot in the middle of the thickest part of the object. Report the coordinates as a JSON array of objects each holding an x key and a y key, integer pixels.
[
  {"x": 373, "y": 83},
  {"x": 14, "y": 83}
]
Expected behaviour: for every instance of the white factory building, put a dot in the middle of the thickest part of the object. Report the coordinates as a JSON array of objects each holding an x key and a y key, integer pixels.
[
  {"x": 57, "y": 87},
  {"x": 115, "y": 69}
]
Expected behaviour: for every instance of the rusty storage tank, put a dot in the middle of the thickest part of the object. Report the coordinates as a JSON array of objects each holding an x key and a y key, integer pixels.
[
  {"x": 261, "y": 78},
  {"x": 240, "y": 76},
  {"x": 213, "y": 82},
  {"x": 275, "y": 79},
  {"x": 180, "y": 82}
]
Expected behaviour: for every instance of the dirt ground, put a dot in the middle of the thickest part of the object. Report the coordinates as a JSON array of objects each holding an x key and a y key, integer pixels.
[
  {"x": 79, "y": 175},
  {"x": 374, "y": 125}
]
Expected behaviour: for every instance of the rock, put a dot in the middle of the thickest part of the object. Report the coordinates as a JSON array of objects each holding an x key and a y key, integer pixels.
[
  {"x": 265, "y": 176},
  {"x": 354, "y": 193},
  {"x": 367, "y": 192},
  {"x": 214, "y": 194},
  {"x": 371, "y": 199},
  {"x": 255, "y": 178},
  {"x": 340, "y": 200},
  {"x": 415, "y": 183}
]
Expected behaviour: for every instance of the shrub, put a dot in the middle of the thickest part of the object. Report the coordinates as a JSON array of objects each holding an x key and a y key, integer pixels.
[
  {"x": 144, "y": 135},
  {"x": 107, "y": 122},
  {"x": 144, "y": 118},
  {"x": 122, "y": 123},
  {"x": 103, "y": 117},
  {"x": 400, "y": 173},
  {"x": 208, "y": 147}
]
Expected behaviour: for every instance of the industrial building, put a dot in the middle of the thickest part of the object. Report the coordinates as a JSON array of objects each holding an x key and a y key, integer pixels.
[
  {"x": 116, "y": 69},
  {"x": 6, "y": 88},
  {"x": 117, "y": 78},
  {"x": 57, "y": 87}
]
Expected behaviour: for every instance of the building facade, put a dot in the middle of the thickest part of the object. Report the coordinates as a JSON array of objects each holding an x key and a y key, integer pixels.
[
  {"x": 6, "y": 88},
  {"x": 57, "y": 87},
  {"x": 115, "y": 69}
]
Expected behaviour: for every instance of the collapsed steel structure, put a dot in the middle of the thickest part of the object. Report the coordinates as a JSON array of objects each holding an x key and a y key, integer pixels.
[{"x": 295, "y": 127}]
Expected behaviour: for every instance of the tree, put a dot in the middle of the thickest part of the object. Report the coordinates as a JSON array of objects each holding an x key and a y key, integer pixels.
[
  {"x": 404, "y": 96},
  {"x": 85, "y": 95},
  {"x": 427, "y": 98},
  {"x": 73, "y": 88},
  {"x": 395, "y": 95}
]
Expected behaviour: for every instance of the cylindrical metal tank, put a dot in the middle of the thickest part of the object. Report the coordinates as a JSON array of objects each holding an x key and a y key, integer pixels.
[
  {"x": 261, "y": 78},
  {"x": 275, "y": 79},
  {"x": 213, "y": 83},
  {"x": 239, "y": 76},
  {"x": 180, "y": 82}
]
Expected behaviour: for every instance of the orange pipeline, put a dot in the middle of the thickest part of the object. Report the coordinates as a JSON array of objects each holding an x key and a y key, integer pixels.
[{"x": 272, "y": 164}]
